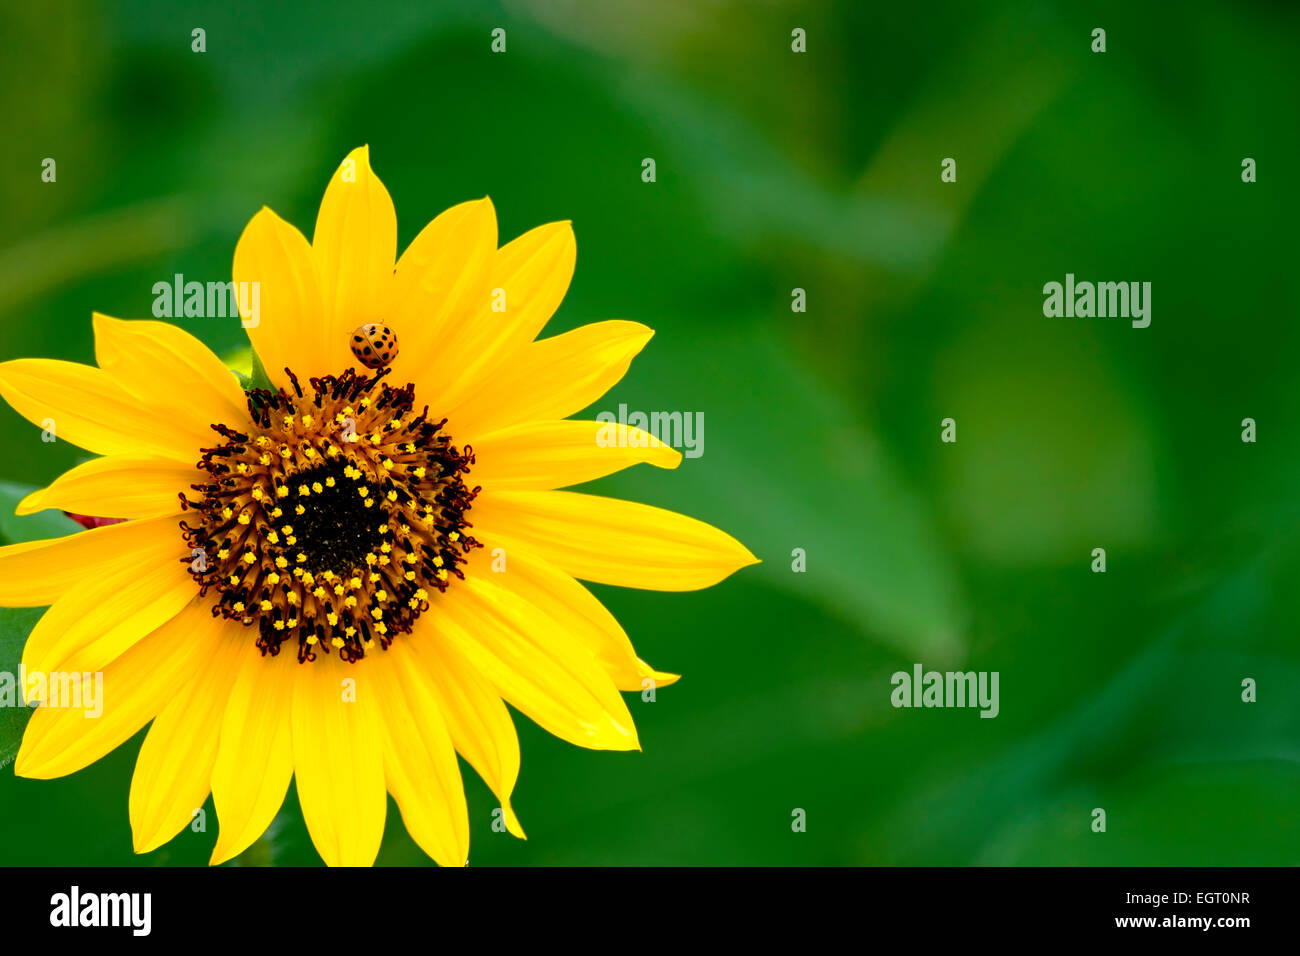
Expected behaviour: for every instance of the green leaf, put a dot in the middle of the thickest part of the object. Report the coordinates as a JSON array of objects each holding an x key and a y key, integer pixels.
[
  {"x": 786, "y": 464},
  {"x": 240, "y": 361},
  {"x": 259, "y": 378},
  {"x": 15, "y": 625},
  {"x": 43, "y": 524}
]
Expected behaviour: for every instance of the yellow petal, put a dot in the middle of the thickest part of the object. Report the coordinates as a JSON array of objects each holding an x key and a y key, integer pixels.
[
  {"x": 171, "y": 372},
  {"x": 289, "y": 326},
  {"x": 338, "y": 760},
  {"x": 98, "y": 620},
  {"x": 528, "y": 280},
  {"x": 355, "y": 245},
  {"x": 545, "y": 455},
  {"x": 574, "y": 609},
  {"x": 440, "y": 282},
  {"x": 612, "y": 541},
  {"x": 550, "y": 379},
  {"x": 37, "y": 573},
  {"x": 255, "y": 760},
  {"x": 118, "y": 486},
  {"x": 86, "y": 406},
  {"x": 136, "y": 687},
  {"x": 174, "y": 768},
  {"x": 535, "y": 664},
  {"x": 478, "y": 721},
  {"x": 419, "y": 760}
]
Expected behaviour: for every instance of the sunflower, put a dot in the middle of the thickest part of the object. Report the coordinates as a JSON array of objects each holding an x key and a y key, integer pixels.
[{"x": 341, "y": 573}]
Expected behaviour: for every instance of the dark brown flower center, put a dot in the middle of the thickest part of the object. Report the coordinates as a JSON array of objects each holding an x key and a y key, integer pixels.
[{"x": 331, "y": 517}]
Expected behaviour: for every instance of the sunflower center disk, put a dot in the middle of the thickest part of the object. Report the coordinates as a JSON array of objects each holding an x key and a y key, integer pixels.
[
  {"x": 332, "y": 518},
  {"x": 334, "y": 530}
]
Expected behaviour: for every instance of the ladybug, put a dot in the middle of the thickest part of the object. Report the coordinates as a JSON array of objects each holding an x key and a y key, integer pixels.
[{"x": 374, "y": 345}]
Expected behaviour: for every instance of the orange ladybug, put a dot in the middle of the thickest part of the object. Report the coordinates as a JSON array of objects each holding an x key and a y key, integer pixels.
[{"x": 374, "y": 345}]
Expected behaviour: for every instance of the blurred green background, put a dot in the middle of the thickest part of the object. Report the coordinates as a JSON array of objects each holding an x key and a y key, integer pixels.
[{"x": 779, "y": 170}]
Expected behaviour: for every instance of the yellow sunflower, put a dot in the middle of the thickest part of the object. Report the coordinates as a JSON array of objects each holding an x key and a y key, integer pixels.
[{"x": 339, "y": 577}]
